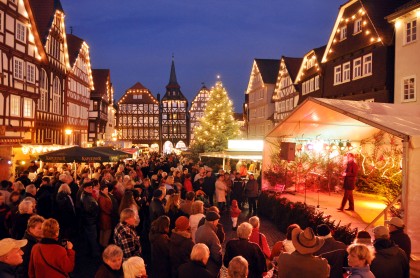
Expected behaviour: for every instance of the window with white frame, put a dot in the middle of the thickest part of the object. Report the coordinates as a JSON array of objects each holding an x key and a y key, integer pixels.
[
  {"x": 367, "y": 64},
  {"x": 343, "y": 33},
  {"x": 311, "y": 85},
  {"x": 56, "y": 99},
  {"x": 357, "y": 68},
  {"x": 409, "y": 89},
  {"x": 317, "y": 82},
  {"x": 337, "y": 75},
  {"x": 14, "y": 105},
  {"x": 43, "y": 91},
  {"x": 310, "y": 62},
  {"x": 304, "y": 88},
  {"x": 411, "y": 31},
  {"x": 346, "y": 72},
  {"x": 18, "y": 68},
  {"x": 20, "y": 31},
  {"x": 1, "y": 21},
  {"x": 28, "y": 108},
  {"x": 357, "y": 26},
  {"x": 30, "y": 73}
]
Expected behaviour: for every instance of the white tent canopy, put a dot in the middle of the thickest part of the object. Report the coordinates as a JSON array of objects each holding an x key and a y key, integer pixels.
[{"x": 354, "y": 120}]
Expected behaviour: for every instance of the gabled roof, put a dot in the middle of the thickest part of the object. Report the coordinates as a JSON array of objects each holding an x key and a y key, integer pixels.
[
  {"x": 403, "y": 9},
  {"x": 136, "y": 89},
  {"x": 374, "y": 12},
  {"x": 74, "y": 46},
  {"x": 269, "y": 69},
  {"x": 35, "y": 32},
  {"x": 44, "y": 11},
  {"x": 100, "y": 78},
  {"x": 318, "y": 52},
  {"x": 292, "y": 65},
  {"x": 138, "y": 86}
]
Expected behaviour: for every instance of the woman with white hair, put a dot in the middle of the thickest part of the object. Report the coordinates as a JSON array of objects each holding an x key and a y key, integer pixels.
[
  {"x": 112, "y": 263},
  {"x": 134, "y": 267},
  {"x": 67, "y": 215},
  {"x": 241, "y": 246},
  {"x": 238, "y": 268},
  {"x": 26, "y": 209},
  {"x": 257, "y": 237},
  {"x": 196, "y": 267}
]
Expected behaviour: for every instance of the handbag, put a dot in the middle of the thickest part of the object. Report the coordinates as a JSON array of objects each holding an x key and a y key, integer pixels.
[{"x": 53, "y": 267}]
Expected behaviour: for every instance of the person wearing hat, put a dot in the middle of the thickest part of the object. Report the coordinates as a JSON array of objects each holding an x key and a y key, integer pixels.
[
  {"x": 363, "y": 237},
  {"x": 241, "y": 246},
  {"x": 90, "y": 214},
  {"x": 397, "y": 235},
  {"x": 180, "y": 245},
  {"x": 10, "y": 256},
  {"x": 206, "y": 234},
  {"x": 390, "y": 260},
  {"x": 302, "y": 263},
  {"x": 332, "y": 250}
]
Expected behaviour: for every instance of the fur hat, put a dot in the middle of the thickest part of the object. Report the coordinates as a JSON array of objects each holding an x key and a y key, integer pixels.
[
  {"x": 323, "y": 230},
  {"x": 305, "y": 241},
  {"x": 212, "y": 216},
  {"x": 363, "y": 237},
  {"x": 182, "y": 223}
]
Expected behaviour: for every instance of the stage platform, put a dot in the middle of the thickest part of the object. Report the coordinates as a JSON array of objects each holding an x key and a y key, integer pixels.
[{"x": 367, "y": 207}]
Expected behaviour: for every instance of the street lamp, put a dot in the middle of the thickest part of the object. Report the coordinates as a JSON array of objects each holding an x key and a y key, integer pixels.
[{"x": 68, "y": 133}]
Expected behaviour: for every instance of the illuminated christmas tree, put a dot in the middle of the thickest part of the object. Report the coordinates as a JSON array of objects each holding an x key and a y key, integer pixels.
[{"x": 217, "y": 125}]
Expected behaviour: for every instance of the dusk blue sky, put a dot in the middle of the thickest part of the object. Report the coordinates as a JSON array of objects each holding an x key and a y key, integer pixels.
[{"x": 136, "y": 39}]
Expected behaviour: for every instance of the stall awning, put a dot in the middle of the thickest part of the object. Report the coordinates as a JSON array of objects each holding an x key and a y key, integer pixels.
[{"x": 251, "y": 155}]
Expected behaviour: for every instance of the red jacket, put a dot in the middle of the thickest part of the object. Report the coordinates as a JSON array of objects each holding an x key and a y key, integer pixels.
[
  {"x": 188, "y": 185},
  {"x": 105, "y": 206},
  {"x": 261, "y": 240},
  {"x": 50, "y": 259}
]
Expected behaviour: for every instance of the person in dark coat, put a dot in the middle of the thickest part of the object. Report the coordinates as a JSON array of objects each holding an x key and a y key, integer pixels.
[
  {"x": 26, "y": 209},
  {"x": 156, "y": 207},
  {"x": 10, "y": 256},
  {"x": 251, "y": 192},
  {"x": 209, "y": 185},
  {"x": 350, "y": 176},
  {"x": 241, "y": 246},
  {"x": 33, "y": 234},
  {"x": 105, "y": 222},
  {"x": 24, "y": 178},
  {"x": 112, "y": 263},
  {"x": 181, "y": 244},
  {"x": 4, "y": 214},
  {"x": 67, "y": 212},
  {"x": 333, "y": 250},
  {"x": 196, "y": 267},
  {"x": 390, "y": 260},
  {"x": 238, "y": 190},
  {"x": 397, "y": 235},
  {"x": 44, "y": 198},
  {"x": 90, "y": 213},
  {"x": 159, "y": 240}
]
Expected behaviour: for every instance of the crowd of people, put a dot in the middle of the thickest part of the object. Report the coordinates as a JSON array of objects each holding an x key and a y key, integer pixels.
[{"x": 159, "y": 216}]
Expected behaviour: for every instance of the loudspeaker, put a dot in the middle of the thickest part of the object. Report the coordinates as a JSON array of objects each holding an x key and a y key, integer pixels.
[{"x": 287, "y": 151}]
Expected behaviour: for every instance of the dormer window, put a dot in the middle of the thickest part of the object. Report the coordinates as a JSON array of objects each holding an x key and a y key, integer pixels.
[{"x": 343, "y": 33}]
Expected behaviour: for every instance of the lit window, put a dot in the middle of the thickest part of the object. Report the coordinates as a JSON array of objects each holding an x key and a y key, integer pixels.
[
  {"x": 30, "y": 72},
  {"x": 56, "y": 101},
  {"x": 357, "y": 68},
  {"x": 411, "y": 31},
  {"x": 43, "y": 91},
  {"x": 20, "y": 32},
  {"x": 337, "y": 75},
  {"x": 317, "y": 82},
  {"x": 18, "y": 68},
  {"x": 346, "y": 72},
  {"x": 367, "y": 64},
  {"x": 27, "y": 108},
  {"x": 14, "y": 105},
  {"x": 343, "y": 33},
  {"x": 409, "y": 89},
  {"x": 357, "y": 26},
  {"x": 311, "y": 85}
]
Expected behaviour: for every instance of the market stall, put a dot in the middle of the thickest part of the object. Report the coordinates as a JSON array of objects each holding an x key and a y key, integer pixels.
[{"x": 322, "y": 121}]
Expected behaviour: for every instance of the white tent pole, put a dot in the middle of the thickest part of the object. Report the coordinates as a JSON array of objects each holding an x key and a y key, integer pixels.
[{"x": 405, "y": 189}]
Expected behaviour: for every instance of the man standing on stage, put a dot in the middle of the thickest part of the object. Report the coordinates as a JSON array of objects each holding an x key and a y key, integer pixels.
[{"x": 350, "y": 176}]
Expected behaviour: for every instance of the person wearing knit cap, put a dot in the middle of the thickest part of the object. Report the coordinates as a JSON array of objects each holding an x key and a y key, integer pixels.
[
  {"x": 206, "y": 234},
  {"x": 397, "y": 235},
  {"x": 390, "y": 260},
  {"x": 332, "y": 250},
  {"x": 363, "y": 237},
  {"x": 180, "y": 245}
]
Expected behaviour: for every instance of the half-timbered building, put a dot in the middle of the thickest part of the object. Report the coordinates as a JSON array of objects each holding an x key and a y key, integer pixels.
[
  {"x": 175, "y": 118},
  {"x": 260, "y": 92},
  {"x": 138, "y": 117},
  {"x": 286, "y": 95},
  {"x": 407, "y": 49},
  {"x": 309, "y": 77},
  {"x": 79, "y": 86},
  {"x": 359, "y": 57},
  {"x": 198, "y": 106},
  {"x": 99, "y": 105},
  {"x": 50, "y": 116}
]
